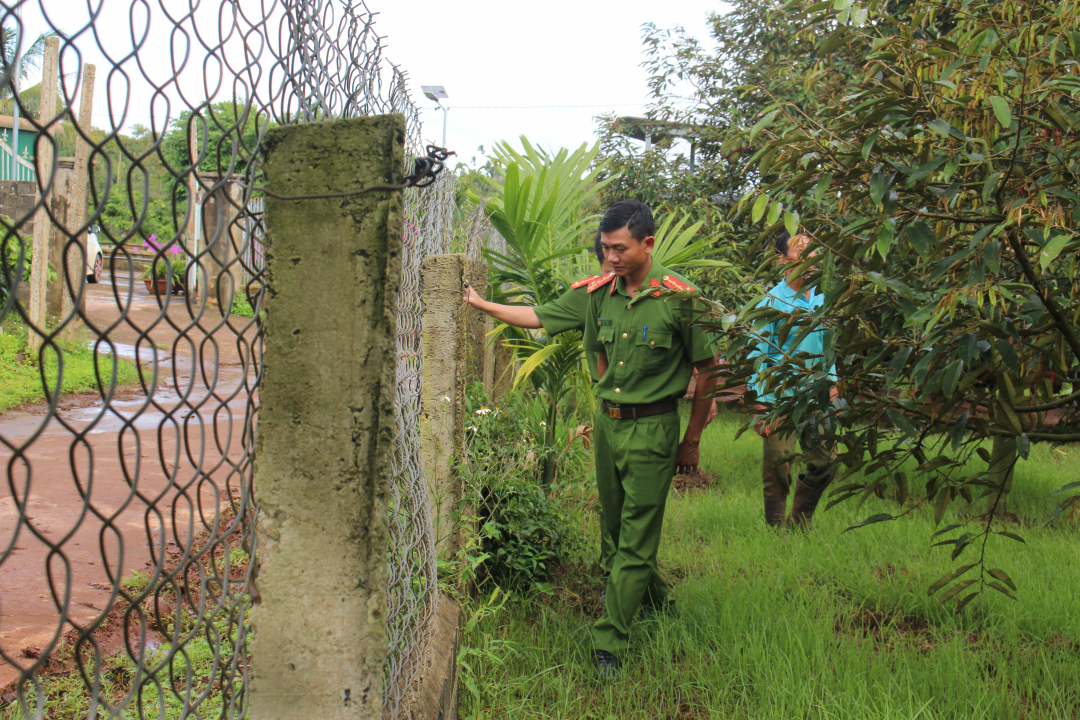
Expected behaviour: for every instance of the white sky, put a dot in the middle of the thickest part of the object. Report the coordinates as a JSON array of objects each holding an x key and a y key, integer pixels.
[{"x": 508, "y": 67}]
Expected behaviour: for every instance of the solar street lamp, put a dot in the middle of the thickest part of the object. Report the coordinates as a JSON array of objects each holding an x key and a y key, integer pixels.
[{"x": 437, "y": 93}]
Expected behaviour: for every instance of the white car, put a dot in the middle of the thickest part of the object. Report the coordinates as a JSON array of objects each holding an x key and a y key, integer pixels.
[{"x": 95, "y": 259}]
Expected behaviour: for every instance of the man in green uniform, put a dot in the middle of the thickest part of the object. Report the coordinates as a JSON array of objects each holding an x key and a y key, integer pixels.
[
  {"x": 647, "y": 349},
  {"x": 565, "y": 313}
]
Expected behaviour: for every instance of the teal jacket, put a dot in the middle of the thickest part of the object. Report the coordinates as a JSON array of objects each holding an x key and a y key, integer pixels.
[{"x": 811, "y": 345}]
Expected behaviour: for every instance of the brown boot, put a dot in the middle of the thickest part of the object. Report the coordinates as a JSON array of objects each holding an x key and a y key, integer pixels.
[
  {"x": 806, "y": 501},
  {"x": 774, "y": 512}
]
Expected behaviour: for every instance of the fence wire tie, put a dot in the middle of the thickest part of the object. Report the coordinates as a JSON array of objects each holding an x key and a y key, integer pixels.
[{"x": 425, "y": 170}]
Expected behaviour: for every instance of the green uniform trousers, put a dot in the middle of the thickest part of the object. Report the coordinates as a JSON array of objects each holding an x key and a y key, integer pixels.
[{"x": 635, "y": 461}]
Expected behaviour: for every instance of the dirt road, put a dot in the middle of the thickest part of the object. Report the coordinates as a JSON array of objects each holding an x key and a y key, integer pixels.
[{"x": 100, "y": 483}]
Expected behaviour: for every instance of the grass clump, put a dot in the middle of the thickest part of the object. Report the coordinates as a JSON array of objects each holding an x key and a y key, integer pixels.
[
  {"x": 826, "y": 625},
  {"x": 21, "y": 381}
]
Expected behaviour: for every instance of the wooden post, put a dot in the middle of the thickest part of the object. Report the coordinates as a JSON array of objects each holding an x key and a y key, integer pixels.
[
  {"x": 326, "y": 420},
  {"x": 77, "y": 205},
  {"x": 39, "y": 268}
]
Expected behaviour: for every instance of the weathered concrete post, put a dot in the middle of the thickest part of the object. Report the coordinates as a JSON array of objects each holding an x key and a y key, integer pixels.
[
  {"x": 61, "y": 208},
  {"x": 39, "y": 267},
  {"x": 222, "y": 236},
  {"x": 453, "y": 342},
  {"x": 78, "y": 198},
  {"x": 326, "y": 420}
]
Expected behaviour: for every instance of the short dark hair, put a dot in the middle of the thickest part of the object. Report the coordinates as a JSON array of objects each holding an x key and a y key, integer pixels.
[
  {"x": 782, "y": 243},
  {"x": 630, "y": 214},
  {"x": 598, "y": 248}
]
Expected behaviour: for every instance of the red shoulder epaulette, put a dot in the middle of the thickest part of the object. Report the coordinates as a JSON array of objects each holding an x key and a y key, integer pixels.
[
  {"x": 601, "y": 281},
  {"x": 676, "y": 284},
  {"x": 583, "y": 281}
]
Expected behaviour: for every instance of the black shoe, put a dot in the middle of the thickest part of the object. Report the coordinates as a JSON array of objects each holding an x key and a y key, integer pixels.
[
  {"x": 607, "y": 665},
  {"x": 774, "y": 512}
]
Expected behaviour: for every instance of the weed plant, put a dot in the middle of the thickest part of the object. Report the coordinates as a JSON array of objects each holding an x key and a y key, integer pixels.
[
  {"x": 524, "y": 526},
  {"x": 829, "y": 624},
  {"x": 20, "y": 379}
]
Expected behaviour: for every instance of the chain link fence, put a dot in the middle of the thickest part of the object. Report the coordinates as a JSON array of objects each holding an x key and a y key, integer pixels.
[{"x": 131, "y": 291}]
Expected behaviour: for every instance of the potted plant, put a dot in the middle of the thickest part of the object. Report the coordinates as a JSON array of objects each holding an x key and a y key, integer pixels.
[{"x": 168, "y": 261}]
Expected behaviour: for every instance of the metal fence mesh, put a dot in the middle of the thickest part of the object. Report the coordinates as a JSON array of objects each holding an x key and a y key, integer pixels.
[{"x": 128, "y": 560}]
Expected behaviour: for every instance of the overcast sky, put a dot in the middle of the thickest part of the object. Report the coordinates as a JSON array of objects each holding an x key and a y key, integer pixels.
[{"x": 510, "y": 68}]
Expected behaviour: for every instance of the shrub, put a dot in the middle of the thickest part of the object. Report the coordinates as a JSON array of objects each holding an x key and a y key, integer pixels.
[{"x": 525, "y": 528}]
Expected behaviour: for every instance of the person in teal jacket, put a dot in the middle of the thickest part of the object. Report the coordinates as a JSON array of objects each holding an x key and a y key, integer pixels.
[{"x": 776, "y": 341}]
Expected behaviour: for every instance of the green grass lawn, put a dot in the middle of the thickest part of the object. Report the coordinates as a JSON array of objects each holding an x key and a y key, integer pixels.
[
  {"x": 830, "y": 625},
  {"x": 20, "y": 380}
]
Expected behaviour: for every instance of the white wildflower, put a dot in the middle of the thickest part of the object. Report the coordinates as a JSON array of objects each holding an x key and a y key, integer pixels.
[{"x": 483, "y": 411}]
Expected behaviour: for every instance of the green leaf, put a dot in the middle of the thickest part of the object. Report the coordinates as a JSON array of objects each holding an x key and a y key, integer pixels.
[
  {"x": 882, "y": 517},
  {"x": 1001, "y": 110},
  {"x": 791, "y": 222},
  {"x": 896, "y": 365},
  {"x": 1008, "y": 355},
  {"x": 952, "y": 374},
  {"x": 990, "y": 186},
  {"x": 992, "y": 256},
  {"x": 1052, "y": 249},
  {"x": 822, "y": 186},
  {"x": 868, "y": 144},
  {"x": 921, "y": 237},
  {"x": 774, "y": 213},
  {"x": 1011, "y": 536},
  {"x": 902, "y": 423},
  {"x": 885, "y": 239},
  {"x": 967, "y": 598},
  {"x": 941, "y": 503},
  {"x": 877, "y": 187},
  {"x": 948, "y": 578},
  {"x": 759, "y": 207},
  {"x": 958, "y": 431},
  {"x": 940, "y": 127},
  {"x": 955, "y": 590},
  {"x": 924, "y": 170},
  {"x": 763, "y": 123},
  {"x": 999, "y": 574},
  {"x": 1002, "y": 589}
]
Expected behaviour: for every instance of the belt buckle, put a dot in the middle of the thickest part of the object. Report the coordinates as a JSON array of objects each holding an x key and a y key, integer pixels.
[{"x": 614, "y": 412}]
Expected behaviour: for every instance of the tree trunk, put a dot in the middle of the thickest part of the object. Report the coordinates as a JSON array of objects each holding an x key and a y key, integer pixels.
[{"x": 1002, "y": 462}]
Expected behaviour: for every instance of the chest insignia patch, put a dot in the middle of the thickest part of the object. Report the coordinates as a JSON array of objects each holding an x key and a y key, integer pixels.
[
  {"x": 583, "y": 281},
  {"x": 676, "y": 284},
  {"x": 604, "y": 322},
  {"x": 601, "y": 281},
  {"x": 655, "y": 283}
]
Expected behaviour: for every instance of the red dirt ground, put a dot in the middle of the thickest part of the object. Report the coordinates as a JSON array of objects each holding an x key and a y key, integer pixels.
[{"x": 114, "y": 536}]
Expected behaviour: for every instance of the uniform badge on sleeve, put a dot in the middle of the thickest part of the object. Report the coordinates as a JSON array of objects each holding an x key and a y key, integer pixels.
[
  {"x": 676, "y": 284},
  {"x": 583, "y": 281},
  {"x": 601, "y": 281}
]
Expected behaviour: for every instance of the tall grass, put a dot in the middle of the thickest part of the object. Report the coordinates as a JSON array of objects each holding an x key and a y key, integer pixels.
[{"x": 827, "y": 625}]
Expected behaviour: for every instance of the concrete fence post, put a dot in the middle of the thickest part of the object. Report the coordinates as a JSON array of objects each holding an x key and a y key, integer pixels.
[
  {"x": 326, "y": 420},
  {"x": 223, "y": 236},
  {"x": 39, "y": 267},
  {"x": 453, "y": 356},
  {"x": 78, "y": 198}
]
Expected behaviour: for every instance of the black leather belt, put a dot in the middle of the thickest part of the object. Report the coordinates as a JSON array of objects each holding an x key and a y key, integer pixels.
[{"x": 633, "y": 412}]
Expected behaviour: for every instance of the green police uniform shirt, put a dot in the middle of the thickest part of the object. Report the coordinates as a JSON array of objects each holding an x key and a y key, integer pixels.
[
  {"x": 568, "y": 313},
  {"x": 650, "y": 342}
]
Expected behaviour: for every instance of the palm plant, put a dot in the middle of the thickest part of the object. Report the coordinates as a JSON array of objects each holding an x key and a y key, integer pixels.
[
  {"x": 28, "y": 61},
  {"x": 539, "y": 209}
]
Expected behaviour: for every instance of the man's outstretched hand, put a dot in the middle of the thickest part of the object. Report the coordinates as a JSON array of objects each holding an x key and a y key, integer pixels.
[{"x": 471, "y": 296}]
